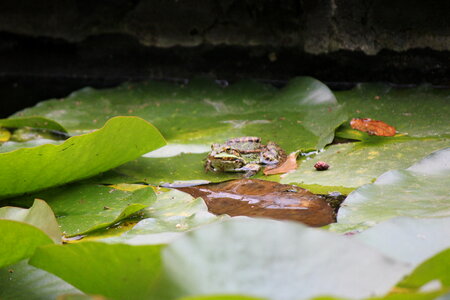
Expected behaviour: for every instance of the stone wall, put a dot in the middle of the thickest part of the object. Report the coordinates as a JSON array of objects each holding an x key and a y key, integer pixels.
[{"x": 311, "y": 26}]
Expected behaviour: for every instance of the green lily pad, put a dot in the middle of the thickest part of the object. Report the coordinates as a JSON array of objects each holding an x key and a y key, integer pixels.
[
  {"x": 159, "y": 170},
  {"x": 418, "y": 191},
  {"x": 115, "y": 271},
  {"x": 402, "y": 295},
  {"x": 222, "y": 297},
  {"x": 411, "y": 240},
  {"x": 173, "y": 213},
  {"x": 266, "y": 258},
  {"x": 120, "y": 140},
  {"x": 25, "y": 229},
  {"x": 84, "y": 207},
  {"x": 419, "y": 112},
  {"x": 19, "y": 240},
  {"x": 202, "y": 112},
  {"x": 355, "y": 164},
  {"x": 435, "y": 268},
  {"x": 40, "y": 215},
  {"x": 24, "y": 282},
  {"x": 34, "y": 122}
]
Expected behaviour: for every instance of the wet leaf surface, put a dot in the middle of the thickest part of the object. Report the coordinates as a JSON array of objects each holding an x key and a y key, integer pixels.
[
  {"x": 120, "y": 140},
  {"x": 24, "y": 282},
  {"x": 260, "y": 198}
]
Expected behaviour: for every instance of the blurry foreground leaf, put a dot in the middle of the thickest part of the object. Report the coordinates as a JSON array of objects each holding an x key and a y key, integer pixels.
[
  {"x": 411, "y": 240},
  {"x": 114, "y": 271},
  {"x": 19, "y": 240},
  {"x": 266, "y": 258},
  {"x": 436, "y": 268},
  {"x": 421, "y": 190},
  {"x": 24, "y": 282},
  {"x": 39, "y": 215}
]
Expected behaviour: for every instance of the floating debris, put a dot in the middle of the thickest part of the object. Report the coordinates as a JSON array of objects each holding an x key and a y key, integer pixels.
[{"x": 321, "y": 166}]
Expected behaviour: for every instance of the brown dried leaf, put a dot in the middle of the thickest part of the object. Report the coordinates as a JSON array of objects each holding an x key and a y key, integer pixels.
[
  {"x": 373, "y": 127},
  {"x": 288, "y": 165}
]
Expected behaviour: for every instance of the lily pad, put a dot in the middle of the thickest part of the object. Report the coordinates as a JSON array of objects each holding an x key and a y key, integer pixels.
[
  {"x": 39, "y": 215},
  {"x": 115, "y": 271},
  {"x": 172, "y": 214},
  {"x": 418, "y": 112},
  {"x": 411, "y": 240},
  {"x": 120, "y": 140},
  {"x": 24, "y": 282},
  {"x": 277, "y": 260},
  {"x": 418, "y": 191},
  {"x": 160, "y": 170},
  {"x": 19, "y": 240},
  {"x": 84, "y": 207},
  {"x": 222, "y": 297},
  {"x": 305, "y": 106},
  {"x": 355, "y": 164},
  {"x": 25, "y": 229},
  {"x": 33, "y": 122},
  {"x": 435, "y": 268}
]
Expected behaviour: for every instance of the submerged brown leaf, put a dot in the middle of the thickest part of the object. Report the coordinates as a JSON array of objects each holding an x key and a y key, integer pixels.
[
  {"x": 261, "y": 198},
  {"x": 288, "y": 165},
  {"x": 373, "y": 127}
]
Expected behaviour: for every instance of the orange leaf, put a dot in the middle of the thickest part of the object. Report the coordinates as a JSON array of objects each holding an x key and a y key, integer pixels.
[
  {"x": 288, "y": 165},
  {"x": 373, "y": 127}
]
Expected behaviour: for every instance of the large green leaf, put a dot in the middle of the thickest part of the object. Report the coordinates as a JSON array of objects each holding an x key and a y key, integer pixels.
[
  {"x": 116, "y": 271},
  {"x": 25, "y": 229},
  {"x": 173, "y": 213},
  {"x": 418, "y": 191},
  {"x": 120, "y": 140},
  {"x": 85, "y": 206},
  {"x": 202, "y": 112},
  {"x": 39, "y": 215},
  {"x": 277, "y": 260},
  {"x": 24, "y": 282},
  {"x": 19, "y": 240}
]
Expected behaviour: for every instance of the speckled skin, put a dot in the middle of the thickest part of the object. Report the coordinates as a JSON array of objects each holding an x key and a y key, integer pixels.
[{"x": 243, "y": 154}]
